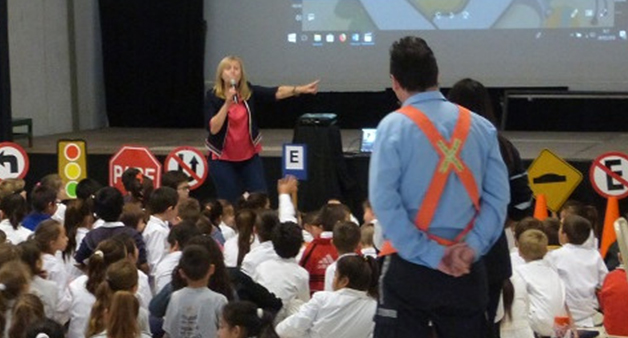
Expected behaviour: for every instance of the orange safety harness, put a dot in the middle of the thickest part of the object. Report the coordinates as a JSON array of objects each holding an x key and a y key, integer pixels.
[{"x": 449, "y": 154}]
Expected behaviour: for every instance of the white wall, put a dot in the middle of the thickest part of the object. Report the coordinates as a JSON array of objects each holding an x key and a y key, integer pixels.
[{"x": 39, "y": 51}]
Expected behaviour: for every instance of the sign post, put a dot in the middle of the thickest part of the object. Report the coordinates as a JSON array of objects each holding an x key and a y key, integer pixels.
[
  {"x": 13, "y": 161},
  {"x": 191, "y": 162},
  {"x": 133, "y": 157}
]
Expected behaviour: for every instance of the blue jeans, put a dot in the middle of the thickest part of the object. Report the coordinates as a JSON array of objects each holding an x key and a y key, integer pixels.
[{"x": 231, "y": 179}]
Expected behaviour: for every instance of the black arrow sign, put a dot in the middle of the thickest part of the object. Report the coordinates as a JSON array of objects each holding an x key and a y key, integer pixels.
[
  {"x": 11, "y": 160},
  {"x": 194, "y": 163}
]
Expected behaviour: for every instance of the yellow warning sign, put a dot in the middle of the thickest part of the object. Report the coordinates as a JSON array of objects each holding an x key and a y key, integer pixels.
[{"x": 554, "y": 177}]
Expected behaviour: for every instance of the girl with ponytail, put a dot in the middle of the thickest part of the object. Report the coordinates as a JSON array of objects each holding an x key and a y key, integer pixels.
[
  {"x": 120, "y": 276},
  {"x": 81, "y": 292},
  {"x": 347, "y": 311},
  {"x": 244, "y": 319},
  {"x": 121, "y": 314},
  {"x": 238, "y": 246},
  {"x": 14, "y": 281}
]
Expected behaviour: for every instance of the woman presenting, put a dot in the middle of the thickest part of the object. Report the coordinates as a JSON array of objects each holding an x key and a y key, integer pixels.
[{"x": 234, "y": 137}]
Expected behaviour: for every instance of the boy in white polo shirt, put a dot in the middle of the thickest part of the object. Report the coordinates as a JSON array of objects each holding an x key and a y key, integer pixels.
[
  {"x": 162, "y": 206},
  {"x": 581, "y": 268},
  {"x": 545, "y": 288},
  {"x": 346, "y": 241}
]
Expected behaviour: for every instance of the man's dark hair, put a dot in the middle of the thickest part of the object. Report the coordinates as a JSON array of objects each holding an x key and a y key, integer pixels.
[
  {"x": 413, "y": 64},
  {"x": 161, "y": 199},
  {"x": 287, "y": 239}
]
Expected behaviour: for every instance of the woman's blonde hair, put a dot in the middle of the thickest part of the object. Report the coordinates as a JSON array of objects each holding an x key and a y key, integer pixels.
[{"x": 219, "y": 84}]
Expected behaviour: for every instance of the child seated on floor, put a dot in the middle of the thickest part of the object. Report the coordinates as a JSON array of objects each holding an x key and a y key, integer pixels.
[
  {"x": 242, "y": 319},
  {"x": 346, "y": 240},
  {"x": 345, "y": 312},
  {"x": 580, "y": 267},
  {"x": 519, "y": 228},
  {"x": 283, "y": 276},
  {"x": 194, "y": 309},
  {"x": 320, "y": 253},
  {"x": 367, "y": 233},
  {"x": 544, "y": 287}
]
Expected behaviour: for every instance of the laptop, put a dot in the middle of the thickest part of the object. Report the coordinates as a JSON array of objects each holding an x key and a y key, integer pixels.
[{"x": 367, "y": 140}]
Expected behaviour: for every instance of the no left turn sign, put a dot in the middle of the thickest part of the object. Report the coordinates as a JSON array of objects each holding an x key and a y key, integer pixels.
[
  {"x": 191, "y": 162},
  {"x": 13, "y": 161},
  {"x": 609, "y": 175}
]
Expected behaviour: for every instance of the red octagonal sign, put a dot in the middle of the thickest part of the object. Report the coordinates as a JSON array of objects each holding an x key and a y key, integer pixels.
[{"x": 133, "y": 157}]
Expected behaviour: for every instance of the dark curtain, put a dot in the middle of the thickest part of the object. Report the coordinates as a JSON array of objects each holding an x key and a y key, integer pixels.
[
  {"x": 328, "y": 176},
  {"x": 153, "y": 62},
  {"x": 5, "y": 80}
]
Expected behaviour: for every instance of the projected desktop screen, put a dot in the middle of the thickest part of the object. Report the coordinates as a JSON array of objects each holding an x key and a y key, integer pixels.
[{"x": 582, "y": 44}]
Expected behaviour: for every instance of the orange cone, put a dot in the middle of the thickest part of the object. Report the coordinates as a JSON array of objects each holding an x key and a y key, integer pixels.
[
  {"x": 608, "y": 232},
  {"x": 540, "y": 208}
]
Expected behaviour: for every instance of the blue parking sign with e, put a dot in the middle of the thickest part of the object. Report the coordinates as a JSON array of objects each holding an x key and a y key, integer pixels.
[{"x": 294, "y": 160}]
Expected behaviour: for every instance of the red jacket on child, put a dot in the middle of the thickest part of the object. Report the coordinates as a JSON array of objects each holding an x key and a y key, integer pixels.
[
  {"x": 318, "y": 255},
  {"x": 613, "y": 301}
]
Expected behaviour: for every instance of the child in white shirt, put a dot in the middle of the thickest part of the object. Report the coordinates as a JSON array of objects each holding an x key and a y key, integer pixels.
[
  {"x": 162, "y": 203},
  {"x": 283, "y": 276},
  {"x": 50, "y": 237},
  {"x": 44, "y": 289},
  {"x": 367, "y": 231},
  {"x": 346, "y": 312},
  {"x": 81, "y": 292},
  {"x": 177, "y": 239},
  {"x": 120, "y": 276},
  {"x": 542, "y": 283},
  {"x": 268, "y": 221},
  {"x": 346, "y": 239},
  {"x": 520, "y": 227},
  {"x": 13, "y": 208},
  {"x": 581, "y": 268},
  {"x": 237, "y": 247}
]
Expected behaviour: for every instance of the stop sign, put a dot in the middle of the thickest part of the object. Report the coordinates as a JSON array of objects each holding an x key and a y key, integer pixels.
[{"x": 133, "y": 157}]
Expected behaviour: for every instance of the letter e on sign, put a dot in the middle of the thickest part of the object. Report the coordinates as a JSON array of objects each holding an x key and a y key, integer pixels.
[
  {"x": 609, "y": 175},
  {"x": 295, "y": 160}
]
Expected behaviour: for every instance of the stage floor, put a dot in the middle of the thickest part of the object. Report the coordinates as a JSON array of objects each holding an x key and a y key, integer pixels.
[{"x": 568, "y": 145}]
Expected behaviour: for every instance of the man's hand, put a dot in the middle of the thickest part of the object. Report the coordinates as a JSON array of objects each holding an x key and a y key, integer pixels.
[
  {"x": 457, "y": 260},
  {"x": 287, "y": 185}
]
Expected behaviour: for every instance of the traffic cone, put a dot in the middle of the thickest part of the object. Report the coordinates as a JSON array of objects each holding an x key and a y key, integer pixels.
[
  {"x": 540, "y": 208},
  {"x": 608, "y": 232}
]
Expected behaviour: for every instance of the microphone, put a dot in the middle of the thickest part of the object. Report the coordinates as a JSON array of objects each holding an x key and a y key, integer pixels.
[{"x": 233, "y": 85}]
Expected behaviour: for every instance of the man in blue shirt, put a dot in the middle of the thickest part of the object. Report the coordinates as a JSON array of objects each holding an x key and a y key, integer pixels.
[{"x": 439, "y": 187}]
